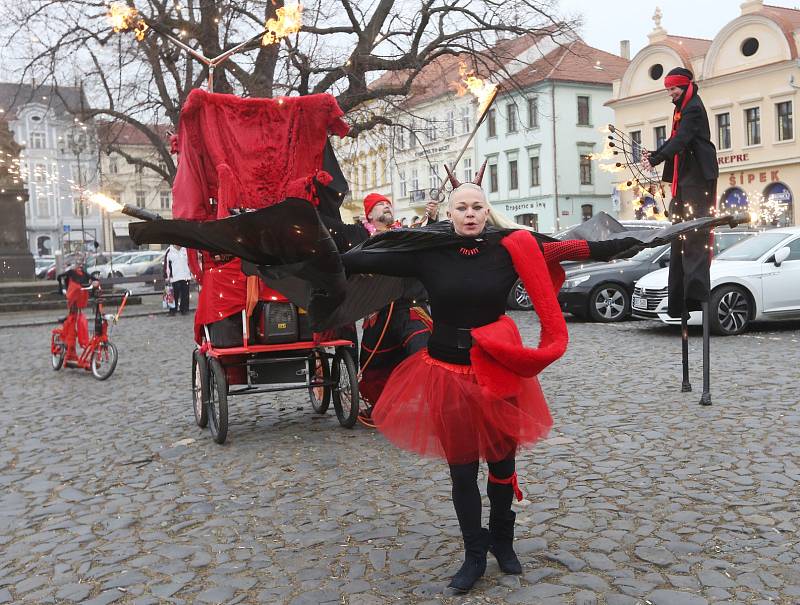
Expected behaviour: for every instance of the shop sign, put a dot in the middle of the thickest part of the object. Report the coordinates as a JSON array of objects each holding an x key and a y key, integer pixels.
[
  {"x": 514, "y": 208},
  {"x": 733, "y": 158},
  {"x": 746, "y": 178}
]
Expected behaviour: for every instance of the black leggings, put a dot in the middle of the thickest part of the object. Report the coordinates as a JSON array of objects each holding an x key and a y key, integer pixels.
[{"x": 467, "y": 496}]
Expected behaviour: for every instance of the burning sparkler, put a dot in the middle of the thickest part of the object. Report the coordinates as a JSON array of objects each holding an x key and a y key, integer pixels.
[
  {"x": 126, "y": 18},
  {"x": 110, "y": 205},
  {"x": 289, "y": 21}
]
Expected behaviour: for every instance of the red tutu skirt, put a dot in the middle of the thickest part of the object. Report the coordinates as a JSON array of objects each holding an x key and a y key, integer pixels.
[{"x": 438, "y": 409}]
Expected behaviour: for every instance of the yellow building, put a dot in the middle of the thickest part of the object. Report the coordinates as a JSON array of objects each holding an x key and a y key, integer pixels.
[{"x": 748, "y": 77}]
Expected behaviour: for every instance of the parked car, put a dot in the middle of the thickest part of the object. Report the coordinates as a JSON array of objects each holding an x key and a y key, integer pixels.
[
  {"x": 111, "y": 269},
  {"x": 757, "y": 279},
  {"x": 139, "y": 263},
  {"x": 518, "y": 298},
  {"x": 42, "y": 264}
]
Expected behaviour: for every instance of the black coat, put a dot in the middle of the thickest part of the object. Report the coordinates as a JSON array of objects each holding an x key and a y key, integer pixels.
[{"x": 697, "y": 155}]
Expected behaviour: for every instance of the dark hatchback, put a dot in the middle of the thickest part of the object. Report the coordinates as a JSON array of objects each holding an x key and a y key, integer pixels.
[{"x": 602, "y": 291}]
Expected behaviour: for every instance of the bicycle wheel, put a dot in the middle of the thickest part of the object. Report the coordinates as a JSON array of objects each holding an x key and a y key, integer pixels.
[
  {"x": 345, "y": 393},
  {"x": 200, "y": 388},
  {"x": 57, "y": 350},
  {"x": 217, "y": 403},
  {"x": 104, "y": 360},
  {"x": 320, "y": 396}
]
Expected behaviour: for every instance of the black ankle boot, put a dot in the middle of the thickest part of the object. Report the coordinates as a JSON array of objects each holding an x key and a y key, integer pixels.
[
  {"x": 476, "y": 544},
  {"x": 501, "y": 529}
]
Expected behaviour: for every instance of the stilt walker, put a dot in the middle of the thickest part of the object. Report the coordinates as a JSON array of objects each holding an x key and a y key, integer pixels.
[{"x": 690, "y": 164}]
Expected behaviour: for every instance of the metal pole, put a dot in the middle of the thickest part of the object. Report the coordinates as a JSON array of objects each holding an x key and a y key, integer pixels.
[
  {"x": 705, "y": 398},
  {"x": 686, "y": 386}
]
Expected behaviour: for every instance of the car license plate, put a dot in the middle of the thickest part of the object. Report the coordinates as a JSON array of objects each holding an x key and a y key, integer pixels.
[{"x": 639, "y": 302}]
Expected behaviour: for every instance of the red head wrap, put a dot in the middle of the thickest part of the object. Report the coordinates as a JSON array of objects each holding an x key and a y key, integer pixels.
[
  {"x": 676, "y": 80},
  {"x": 371, "y": 200}
]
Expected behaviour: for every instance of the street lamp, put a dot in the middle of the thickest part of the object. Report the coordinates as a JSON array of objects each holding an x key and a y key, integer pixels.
[{"x": 77, "y": 143}]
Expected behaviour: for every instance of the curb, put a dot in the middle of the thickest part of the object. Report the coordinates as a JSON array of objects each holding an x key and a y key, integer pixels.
[{"x": 53, "y": 322}]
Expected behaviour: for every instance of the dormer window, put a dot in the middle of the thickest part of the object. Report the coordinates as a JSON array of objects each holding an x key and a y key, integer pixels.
[
  {"x": 749, "y": 47},
  {"x": 656, "y": 71}
]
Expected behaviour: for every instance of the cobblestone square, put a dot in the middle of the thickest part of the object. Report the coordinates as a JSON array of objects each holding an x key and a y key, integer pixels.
[{"x": 109, "y": 493}]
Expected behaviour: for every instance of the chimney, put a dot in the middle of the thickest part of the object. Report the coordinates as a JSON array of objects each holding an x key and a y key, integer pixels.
[{"x": 625, "y": 49}]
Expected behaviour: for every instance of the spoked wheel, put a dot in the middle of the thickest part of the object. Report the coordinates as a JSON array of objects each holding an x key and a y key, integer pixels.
[
  {"x": 200, "y": 388},
  {"x": 104, "y": 360},
  {"x": 58, "y": 351},
  {"x": 320, "y": 396},
  {"x": 730, "y": 311},
  {"x": 217, "y": 403},
  {"x": 345, "y": 393}
]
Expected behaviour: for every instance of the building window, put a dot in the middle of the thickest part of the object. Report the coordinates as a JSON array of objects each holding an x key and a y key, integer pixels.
[
  {"x": 364, "y": 181},
  {"x": 140, "y": 198},
  {"x": 491, "y": 124},
  {"x": 466, "y": 119},
  {"x": 138, "y": 169},
  {"x": 166, "y": 200},
  {"x": 414, "y": 179},
  {"x": 37, "y": 140},
  {"x": 752, "y": 118},
  {"x": 412, "y": 136},
  {"x": 493, "y": 184},
  {"x": 533, "y": 112},
  {"x": 513, "y": 176},
  {"x": 433, "y": 177},
  {"x": 636, "y": 139},
  {"x": 403, "y": 185},
  {"x": 374, "y": 174},
  {"x": 467, "y": 170},
  {"x": 660, "y": 135},
  {"x": 531, "y": 220},
  {"x": 586, "y": 170},
  {"x": 511, "y": 117},
  {"x": 586, "y": 212},
  {"x": 77, "y": 206},
  {"x": 723, "y": 131},
  {"x": 583, "y": 111},
  {"x": 534, "y": 161},
  {"x": 113, "y": 166},
  {"x": 430, "y": 130},
  {"x": 785, "y": 127},
  {"x": 451, "y": 123}
]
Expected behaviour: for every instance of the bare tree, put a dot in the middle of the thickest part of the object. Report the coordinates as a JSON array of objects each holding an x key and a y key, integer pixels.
[{"x": 343, "y": 49}]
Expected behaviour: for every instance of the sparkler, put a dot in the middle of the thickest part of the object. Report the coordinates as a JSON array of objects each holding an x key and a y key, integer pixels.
[{"x": 110, "y": 205}]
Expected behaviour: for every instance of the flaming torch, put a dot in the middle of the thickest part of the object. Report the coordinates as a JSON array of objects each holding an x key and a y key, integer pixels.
[
  {"x": 109, "y": 205},
  {"x": 486, "y": 93},
  {"x": 126, "y": 18},
  {"x": 289, "y": 21}
]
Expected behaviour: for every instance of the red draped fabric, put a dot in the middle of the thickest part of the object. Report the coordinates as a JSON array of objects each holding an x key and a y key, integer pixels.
[{"x": 243, "y": 153}]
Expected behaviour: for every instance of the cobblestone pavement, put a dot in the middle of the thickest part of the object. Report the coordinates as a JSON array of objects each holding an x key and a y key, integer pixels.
[{"x": 110, "y": 493}]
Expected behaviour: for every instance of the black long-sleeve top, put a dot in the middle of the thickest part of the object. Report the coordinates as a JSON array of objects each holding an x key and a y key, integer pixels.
[{"x": 467, "y": 282}]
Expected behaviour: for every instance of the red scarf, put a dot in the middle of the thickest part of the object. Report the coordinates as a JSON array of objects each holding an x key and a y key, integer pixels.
[{"x": 669, "y": 82}]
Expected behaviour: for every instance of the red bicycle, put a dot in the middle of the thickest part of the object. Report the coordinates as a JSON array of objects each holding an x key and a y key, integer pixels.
[{"x": 100, "y": 354}]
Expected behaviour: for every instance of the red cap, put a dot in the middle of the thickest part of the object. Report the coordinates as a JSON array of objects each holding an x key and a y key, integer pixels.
[{"x": 371, "y": 200}]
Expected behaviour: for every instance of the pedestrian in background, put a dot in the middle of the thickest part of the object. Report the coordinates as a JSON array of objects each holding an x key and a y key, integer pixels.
[{"x": 177, "y": 274}]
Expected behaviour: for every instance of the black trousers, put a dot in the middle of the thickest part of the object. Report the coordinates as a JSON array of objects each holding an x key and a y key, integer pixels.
[
  {"x": 689, "y": 281},
  {"x": 467, "y": 496},
  {"x": 180, "y": 289}
]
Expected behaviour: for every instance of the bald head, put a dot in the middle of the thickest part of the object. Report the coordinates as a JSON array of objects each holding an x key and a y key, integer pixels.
[{"x": 466, "y": 192}]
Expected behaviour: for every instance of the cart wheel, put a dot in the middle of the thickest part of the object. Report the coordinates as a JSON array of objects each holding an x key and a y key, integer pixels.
[
  {"x": 200, "y": 388},
  {"x": 57, "y": 351},
  {"x": 345, "y": 393},
  {"x": 217, "y": 402},
  {"x": 320, "y": 396},
  {"x": 104, "y": 360}
]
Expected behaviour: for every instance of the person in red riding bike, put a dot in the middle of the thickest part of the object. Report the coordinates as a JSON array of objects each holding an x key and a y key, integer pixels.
[{"x": 74, "y": 283}]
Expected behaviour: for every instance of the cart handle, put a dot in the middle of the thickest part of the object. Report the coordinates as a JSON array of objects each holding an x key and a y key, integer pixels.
[{"x": 122, "y": 305}]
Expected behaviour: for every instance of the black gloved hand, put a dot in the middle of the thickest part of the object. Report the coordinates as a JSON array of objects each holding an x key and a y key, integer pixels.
[{"x": 609, "y": 249}]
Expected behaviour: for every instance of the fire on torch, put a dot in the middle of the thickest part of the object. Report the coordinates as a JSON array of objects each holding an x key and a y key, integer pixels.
[{"x": 110, "y": 205}]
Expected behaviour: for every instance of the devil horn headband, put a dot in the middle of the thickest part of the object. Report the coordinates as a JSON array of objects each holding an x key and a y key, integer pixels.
[{"x": 453, "y": 180}]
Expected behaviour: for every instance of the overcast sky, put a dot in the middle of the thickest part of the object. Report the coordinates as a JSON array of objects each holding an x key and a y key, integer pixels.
[{"x": 606, "y": 22}]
